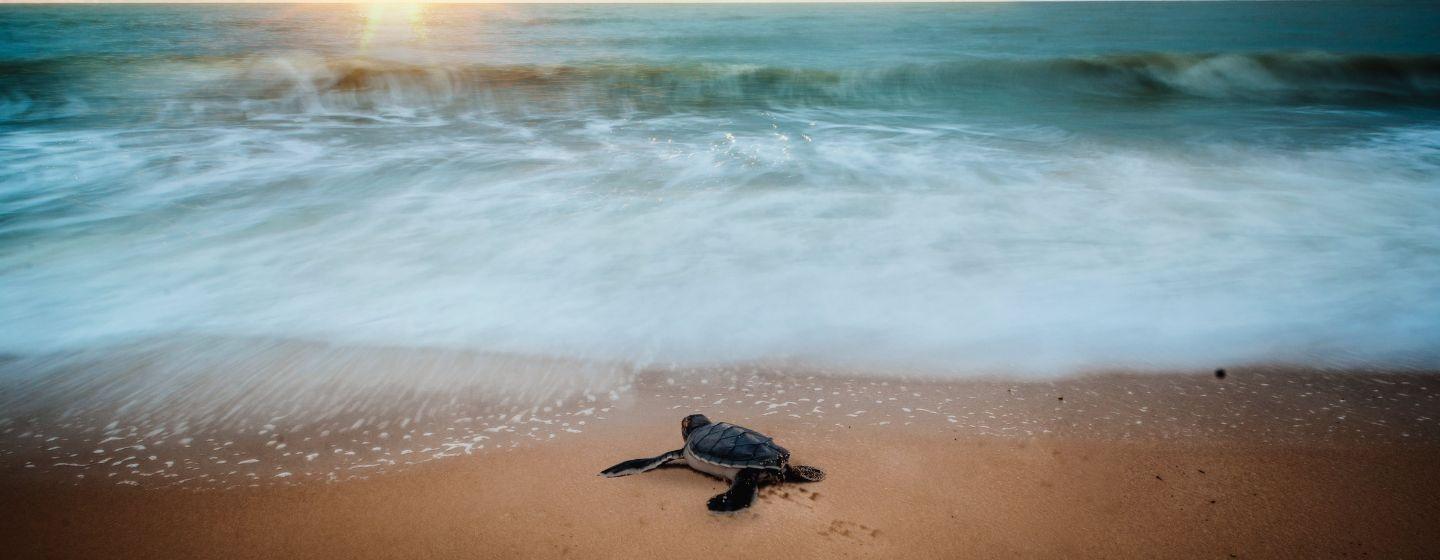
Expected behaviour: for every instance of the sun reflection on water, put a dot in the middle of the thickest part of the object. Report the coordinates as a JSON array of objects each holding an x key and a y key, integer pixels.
[{"x": 393, "y": 22}]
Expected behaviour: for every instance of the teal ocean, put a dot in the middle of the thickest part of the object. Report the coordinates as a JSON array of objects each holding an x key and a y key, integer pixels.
[{"x": 1026, "y": 187}]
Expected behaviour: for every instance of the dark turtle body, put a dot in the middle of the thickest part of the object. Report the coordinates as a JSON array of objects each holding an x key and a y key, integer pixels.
[
  {"x": 727, "y": 445},
  {"x": 746, "y": 457}
]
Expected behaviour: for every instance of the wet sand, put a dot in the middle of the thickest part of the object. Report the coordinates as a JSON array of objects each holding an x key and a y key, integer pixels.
[{"x": 1275, "y": 464}]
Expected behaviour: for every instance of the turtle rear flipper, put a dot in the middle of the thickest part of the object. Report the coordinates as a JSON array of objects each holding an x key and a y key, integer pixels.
[
  {"x": 803, "y": 473},
  {"x": 740, "y": 494},
  {"x": 637, "y": 466}
]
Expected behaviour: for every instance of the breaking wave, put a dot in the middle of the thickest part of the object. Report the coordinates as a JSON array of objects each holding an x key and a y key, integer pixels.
[{"x": 309, "y": 83}]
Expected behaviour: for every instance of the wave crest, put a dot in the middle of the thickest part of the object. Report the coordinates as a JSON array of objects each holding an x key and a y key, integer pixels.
[
  {"x": 309, "y": 83},
  {"x": 1302, "y": 77}
]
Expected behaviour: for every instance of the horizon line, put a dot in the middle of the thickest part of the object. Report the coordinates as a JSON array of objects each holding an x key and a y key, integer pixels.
[{"x": 624, "y": 2}]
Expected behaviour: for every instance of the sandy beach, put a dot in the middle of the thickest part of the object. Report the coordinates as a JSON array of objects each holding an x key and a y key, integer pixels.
[{"x": 1262, "y": 464}]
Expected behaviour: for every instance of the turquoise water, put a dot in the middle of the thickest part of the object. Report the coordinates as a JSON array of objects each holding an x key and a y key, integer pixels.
[{"x": 966, "y": 187}]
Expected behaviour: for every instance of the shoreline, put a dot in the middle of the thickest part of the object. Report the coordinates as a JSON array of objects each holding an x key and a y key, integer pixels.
[{"x": 1087, "y": 481}]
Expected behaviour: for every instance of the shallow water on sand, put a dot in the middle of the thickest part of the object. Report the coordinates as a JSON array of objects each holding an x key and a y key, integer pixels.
[{"x": 291, "y": 414}]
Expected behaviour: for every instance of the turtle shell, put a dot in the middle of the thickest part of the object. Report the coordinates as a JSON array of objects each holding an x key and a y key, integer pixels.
[{"x": 733, "y": 446}]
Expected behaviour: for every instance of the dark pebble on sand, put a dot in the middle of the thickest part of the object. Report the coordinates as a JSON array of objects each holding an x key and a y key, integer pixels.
[{"x": 1220, "y": 373}]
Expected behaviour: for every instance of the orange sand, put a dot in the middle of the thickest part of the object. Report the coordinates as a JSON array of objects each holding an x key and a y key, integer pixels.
[{"x": 894, "y": 490}]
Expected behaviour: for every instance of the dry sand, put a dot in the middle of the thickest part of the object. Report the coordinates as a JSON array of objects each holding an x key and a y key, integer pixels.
[{"x": 1277, "y": 465}]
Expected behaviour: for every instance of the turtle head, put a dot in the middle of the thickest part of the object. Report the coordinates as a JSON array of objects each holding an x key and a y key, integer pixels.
[{"x": 690, "y": 423}]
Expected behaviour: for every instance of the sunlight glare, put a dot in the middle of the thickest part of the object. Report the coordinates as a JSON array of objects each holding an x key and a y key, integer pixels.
[{"x": 396, "y": 21}]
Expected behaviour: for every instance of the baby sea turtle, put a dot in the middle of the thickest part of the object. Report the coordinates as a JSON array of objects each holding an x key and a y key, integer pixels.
[{"x": 745, "y": 457}]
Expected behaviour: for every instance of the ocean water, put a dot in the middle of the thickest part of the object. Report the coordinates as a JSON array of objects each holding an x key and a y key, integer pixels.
[{"x": 949, "y": 188}]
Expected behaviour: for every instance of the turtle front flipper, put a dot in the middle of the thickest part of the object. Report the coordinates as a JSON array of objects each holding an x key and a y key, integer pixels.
[
  {"x": 803, "y": 473},
  {"x": 740, "y": 494},
  {"x": 637, "y": 466}
]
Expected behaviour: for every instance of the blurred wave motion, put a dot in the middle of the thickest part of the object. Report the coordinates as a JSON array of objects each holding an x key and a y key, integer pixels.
[{"x": 949, "y": 188}]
